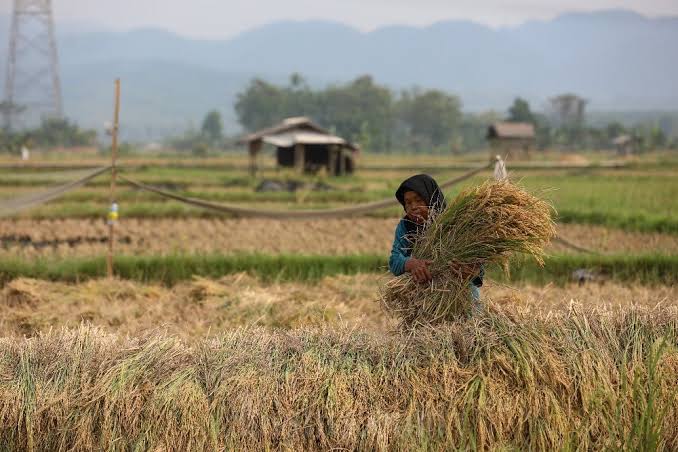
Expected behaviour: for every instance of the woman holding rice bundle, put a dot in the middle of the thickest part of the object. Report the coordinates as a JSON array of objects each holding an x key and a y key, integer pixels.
[{"x": 422, "y": 199}]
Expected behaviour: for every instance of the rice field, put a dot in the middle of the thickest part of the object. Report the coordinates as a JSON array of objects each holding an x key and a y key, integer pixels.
[
  {"x": 629, "y": 198},
  {"x": 222, "y": 333},
  {"x": 201, "y": 307},
  {"x": 27, "y": 238}
]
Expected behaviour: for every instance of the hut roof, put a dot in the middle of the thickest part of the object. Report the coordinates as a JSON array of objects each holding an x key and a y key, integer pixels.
[
  {"x": 621, "y": 140},
  {"x": 523, "y": 130},
  {"x": 288, "y": 139},
  {"x": 297, "y": 130},
  {"x": 294, "y": 123}
]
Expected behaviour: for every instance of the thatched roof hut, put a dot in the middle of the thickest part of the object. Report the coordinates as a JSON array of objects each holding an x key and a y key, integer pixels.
[
  {"x": 511, "y": 137},
  {"x": 625, "y": 144},
  {"x": 304, "y": 145}
]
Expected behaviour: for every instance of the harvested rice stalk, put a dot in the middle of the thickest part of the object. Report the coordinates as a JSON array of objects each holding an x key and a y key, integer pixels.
[{"x": 484, "y": 225}]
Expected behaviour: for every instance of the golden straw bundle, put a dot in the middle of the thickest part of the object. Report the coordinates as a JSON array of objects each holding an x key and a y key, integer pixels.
[{"x": 483, "y": 225}]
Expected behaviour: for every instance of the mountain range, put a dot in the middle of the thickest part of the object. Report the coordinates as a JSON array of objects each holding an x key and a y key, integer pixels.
[{"x": 618, "y": 60}]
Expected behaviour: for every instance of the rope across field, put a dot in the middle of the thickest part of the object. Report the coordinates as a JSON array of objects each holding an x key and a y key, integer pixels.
[
  {"x": 35, "y": 199},
  {"x": 13, "y": 206},
  {"x": 357, "y": 210}
]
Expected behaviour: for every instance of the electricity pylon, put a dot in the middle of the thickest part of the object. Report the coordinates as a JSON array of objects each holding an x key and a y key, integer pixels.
[{"x": 32, "y": 86}]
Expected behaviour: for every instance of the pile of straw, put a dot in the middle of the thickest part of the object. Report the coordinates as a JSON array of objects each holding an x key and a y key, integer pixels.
[
  {"x": 582, "y": 380},
  {"x": 484, "y": 225}
]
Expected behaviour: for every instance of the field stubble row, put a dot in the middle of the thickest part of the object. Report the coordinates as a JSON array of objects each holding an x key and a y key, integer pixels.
[
  {"x": 69, "y": 237},
  {"x": 203, "y": 306}
]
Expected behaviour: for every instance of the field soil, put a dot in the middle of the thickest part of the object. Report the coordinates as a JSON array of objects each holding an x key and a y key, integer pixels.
[{"x": 72, "y": 237}]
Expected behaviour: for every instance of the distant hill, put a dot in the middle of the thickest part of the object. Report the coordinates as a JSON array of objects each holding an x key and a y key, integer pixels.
[{"x": 619, "y": 60}]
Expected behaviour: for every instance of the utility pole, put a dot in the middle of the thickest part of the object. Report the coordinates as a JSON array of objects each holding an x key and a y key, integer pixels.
[
  {"x": 113, "y": 213},
  {"x": 32, "y": 86}
]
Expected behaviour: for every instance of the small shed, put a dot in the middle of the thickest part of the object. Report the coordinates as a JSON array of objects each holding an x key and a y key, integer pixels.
[
  {"x": 302, "y": 144},
  {"x": 515, "y": 138},
  {"x": 625, "y": 144}
]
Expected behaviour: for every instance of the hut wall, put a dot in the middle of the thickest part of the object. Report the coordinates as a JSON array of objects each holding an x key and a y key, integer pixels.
[
  {"x": 285, "y": 156},
  {"x": 316, "y": 156}
]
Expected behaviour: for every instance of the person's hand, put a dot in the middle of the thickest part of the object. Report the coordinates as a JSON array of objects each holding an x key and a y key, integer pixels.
[
  {"x": 419, "y": 270},
  {"x": 470, "y": 271}
]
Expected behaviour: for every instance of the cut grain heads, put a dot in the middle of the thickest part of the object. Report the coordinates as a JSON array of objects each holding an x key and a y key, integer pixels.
[{"x": 483, "y": 225}]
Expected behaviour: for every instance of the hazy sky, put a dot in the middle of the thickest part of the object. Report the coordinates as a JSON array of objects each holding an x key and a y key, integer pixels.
[{"x": 225, "y": 18}]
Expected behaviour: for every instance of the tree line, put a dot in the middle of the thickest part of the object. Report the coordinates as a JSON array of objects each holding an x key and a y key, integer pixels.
[
  {"x": 377, "y": 118},
  {"x": 52, "y": 132},
  {"x": 362, "y": 111},
  {"x": 425, "y": 120}
]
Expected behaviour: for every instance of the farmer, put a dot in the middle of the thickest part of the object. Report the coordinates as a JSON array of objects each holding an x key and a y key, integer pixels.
[{"x": 421, "y": 198}]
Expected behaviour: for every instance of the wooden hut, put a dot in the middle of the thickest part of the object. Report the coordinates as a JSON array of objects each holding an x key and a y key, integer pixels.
[
  {"x": 302, "y": 144},
  {"x": 514, "y": 138},
  {"x": 625, "y": 144}
]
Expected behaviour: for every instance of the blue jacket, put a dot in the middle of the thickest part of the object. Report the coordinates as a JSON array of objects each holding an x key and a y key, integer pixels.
[{"x": 401, "y": 251}]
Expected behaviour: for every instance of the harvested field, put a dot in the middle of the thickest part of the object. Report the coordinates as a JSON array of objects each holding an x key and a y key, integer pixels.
[
  {"x": 350, "y": 236},
  {"x": 503, "y": 380},
  {"x": 191, "y": 310},
  {"x": 228, "y": 334},
  {"x": 587, "y": 196},
  {"x": 201, "y": 307},
  {"x": 69, "y": 237},
  {"x": 170, "y": 270}
]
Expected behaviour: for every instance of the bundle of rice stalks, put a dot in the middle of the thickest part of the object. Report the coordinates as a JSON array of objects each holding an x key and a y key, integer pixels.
[
  {"x": 484, "y": 225},
  {"x": 581, "y": 380}
]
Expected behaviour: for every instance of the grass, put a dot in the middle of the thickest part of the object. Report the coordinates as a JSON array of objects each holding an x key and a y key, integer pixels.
[
  {"x": 96, "y": 195},
  {"x": 172, "y": 269},
  {"x": 636, "y": 221},
  {"x": 646, "y": 269},
  {"x": 168, "y": 209},
  {"x": 640, "y": 202},
  {"x": 169, "y": 270},
  {"x": 628, "y": 199},
  {"x": 592, "y": 380}
]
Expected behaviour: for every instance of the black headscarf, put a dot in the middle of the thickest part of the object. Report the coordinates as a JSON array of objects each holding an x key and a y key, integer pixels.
[{"x": 426, "y": 187}]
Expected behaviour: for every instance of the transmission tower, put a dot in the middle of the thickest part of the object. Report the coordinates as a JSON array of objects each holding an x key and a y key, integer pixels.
[{"x": 32, "y": 86}]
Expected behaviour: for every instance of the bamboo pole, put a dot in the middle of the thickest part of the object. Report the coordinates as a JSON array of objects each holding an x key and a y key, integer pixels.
[
  {"x": 299, "y": 157},
  {"x": 113, "y": 213}
]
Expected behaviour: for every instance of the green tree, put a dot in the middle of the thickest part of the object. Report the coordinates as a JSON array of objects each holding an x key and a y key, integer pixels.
[
  {"x": 52, "y": 132},
  {"x": 657, "y": 138},
  {"x": 55, "y": 132},
  {"x": 520, "y": 112},
  {"x": 474, "y": 130},
  {"x": 260, "y": 105},
  {"x": 432, "y": 117},
  {"x": 544, "y": 131},
  {"x": 613, "y": 130},
  {"x": 298, "y": 99},
  {"x": 297, "y": 80},
  {"x": 213, "y": 127},
  {"x": 364, "y": 139},
  {"x": 348, "y": 107}
]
